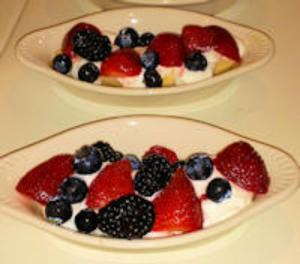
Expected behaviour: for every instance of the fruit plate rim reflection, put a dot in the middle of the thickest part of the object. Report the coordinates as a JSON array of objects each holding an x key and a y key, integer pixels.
[
  {"x": 34, "y": 49},
  {"x": 166, "y": 2},
  {"x": 278, "y": 162}
]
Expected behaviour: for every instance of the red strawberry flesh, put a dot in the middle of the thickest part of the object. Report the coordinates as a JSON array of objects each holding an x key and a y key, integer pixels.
[
  {"x": 169, "y": 154},
  {"x": 241, "y": 164},
  {"x": 68, "y": 43},
  {"x": 122, "y": 63},
  {"x": 170, "y": 48},
  {"x": 42, "y": 182},
  {"x": 177, "y": 207},
  {"x": 110, "y": 184}
]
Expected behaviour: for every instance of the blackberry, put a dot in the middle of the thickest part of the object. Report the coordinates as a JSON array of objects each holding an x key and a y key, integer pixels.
[
  {"x": 86, "y": 221},
  {"x": 196, "y": 62},
  {"x": 178, "y": 165},
  {"x": 128, "y": 217},
  {"x": 107, "y": 152},
  {"x": 145, "y": 39},
  {"x": 91, "y": 45},
  {"x": 153, "y": 175},
  {"x": 152, "y": 79},
  {"x": 218, "y": 190},
  {"x": 62, "y": 63}
]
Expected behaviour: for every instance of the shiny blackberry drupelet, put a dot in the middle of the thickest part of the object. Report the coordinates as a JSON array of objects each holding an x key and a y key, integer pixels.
[
  {"x": 218, "y": 190},
  {"x": 134, "y": 161},
  {"x": 86, "y": 221},
  {"x": 128, "y": 217},
  {"x": 88, "y": 72},
  {"x": 91, "y": 45},
  {"x": 58, "y": 211},
  {"x": 73, "y": 189},
  {"x": 199, "y": 166},
  {"x": 127, "y": 38},
  {"x": 87, "y": 160},
  {"x": 195, "y": 62},
  {"x": 62, "y": 63},
  {"x": 150, "y": 60},
  {"x": 152, "y": 79},
  {"x": 153, "y": 175},
  {"x": 145, "y": 39},
  {"x": 107, "y": 152}
]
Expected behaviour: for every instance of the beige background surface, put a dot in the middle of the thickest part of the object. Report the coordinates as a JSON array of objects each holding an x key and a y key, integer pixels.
[{"x": 263, "y": 105}]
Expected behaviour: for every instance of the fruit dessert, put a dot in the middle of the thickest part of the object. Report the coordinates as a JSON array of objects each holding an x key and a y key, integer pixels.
[
  {"x": 101, "y": 191},
  {"x": 130, "y": 59}
]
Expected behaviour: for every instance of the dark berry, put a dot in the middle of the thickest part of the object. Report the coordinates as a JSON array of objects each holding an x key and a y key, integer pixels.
[
  {"x": 107, "y": 152},
  {"x": 86, "y": 221},
  {"x": 218, "y": 190},
  {"x": 145, "y": 39},
  {"x": 134, "y": 161},
  {"x": 73, "y": 190},
  {"x": 58, "y": 211},
  {"x": 153, "y": 175},
  {"x": 91, "y": 45},
  {"x": 199, "y": 166},
  {"x": 62, "y": 63},
  {"x": 179, "y": 164},
  {"x": 195, "y": 62},
  {"x": 87, "y": 160},
  {"x": 152, "y": 79},
  {"x": 128, "y": 217},
  {"x": 88, "y": 72},
  {"x": 150, "y": 60},
  {"x": 127, "y": 38}
]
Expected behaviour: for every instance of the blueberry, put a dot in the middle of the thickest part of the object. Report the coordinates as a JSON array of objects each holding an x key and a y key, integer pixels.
[
  {"x": 73, "y": 190},
  {"x": 152, "y": 79},
  {"x": 86, "y": 221},
  {"x": 218, "y": 190},
  {"x": 87, "y": 160},
  {"x": 150, "y": 60},
  {"x": 145, "y": 39},
  {"x": 127, "y": 38},
  {"x": 88, "y": 72},
  {"x": 195, "y": 62},
  {"x": 62, "y": 63},
  {"x": 58, "y": 211},
  {"x": 134, "y": 161},
  {"x": 199, "y": 166}
]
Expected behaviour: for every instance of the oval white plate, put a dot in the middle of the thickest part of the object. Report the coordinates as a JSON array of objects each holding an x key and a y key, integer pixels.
[
  {"x": 37, "y": 49},
  {"x": 135, "y": 134}
]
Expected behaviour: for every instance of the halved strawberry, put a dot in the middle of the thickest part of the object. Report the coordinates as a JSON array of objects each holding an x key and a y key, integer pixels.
[
  {"x": 111, "y": 183},
  {"x": 122, "y": 63},
  {"x": 241, "y": 164},
  {"x": 197, "y": 38},
  {"x": 169, "y": 154},
  {"x": 42, "y": 182},
  {"x": 177, "y": 207},
  {"x": 170, "y": 48},
  {"x": 68, "y": 43},
  {"x": 224, "y": 43}
]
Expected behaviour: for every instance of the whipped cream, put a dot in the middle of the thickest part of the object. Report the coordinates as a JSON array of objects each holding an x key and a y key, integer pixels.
[{"x": 212, "y": 212}]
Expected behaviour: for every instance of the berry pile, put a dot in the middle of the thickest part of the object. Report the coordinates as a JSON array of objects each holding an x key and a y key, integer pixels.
[
  {"x": 126, "y": 197},
  {"x": 131, "y": 54}
]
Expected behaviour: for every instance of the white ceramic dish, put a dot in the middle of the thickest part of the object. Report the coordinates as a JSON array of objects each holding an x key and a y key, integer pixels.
[
  {"x": 137, "y": 134},
  {"x": 37, "y": 49}
]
